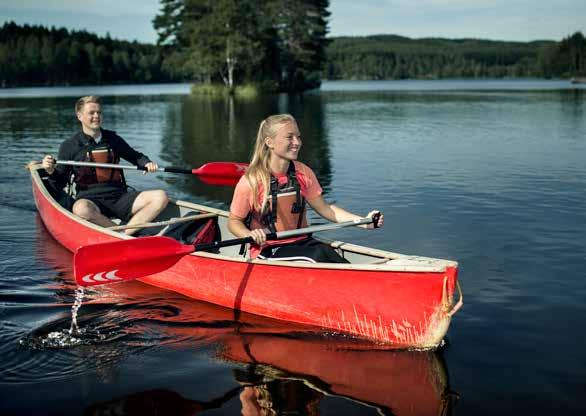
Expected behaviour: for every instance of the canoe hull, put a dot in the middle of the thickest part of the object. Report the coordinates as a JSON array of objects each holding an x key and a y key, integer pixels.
[{"x": 406, "y": 309}]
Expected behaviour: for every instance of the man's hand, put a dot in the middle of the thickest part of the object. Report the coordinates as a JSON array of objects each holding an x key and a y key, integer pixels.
[
  {"x": 381, "y": 219},
  {"x": 150, "y": 167},
  {"x": 49, "y": 164}
]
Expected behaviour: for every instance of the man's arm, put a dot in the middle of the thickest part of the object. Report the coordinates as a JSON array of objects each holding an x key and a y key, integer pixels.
[
  {"x": 61, "y": 173},
  {"x": 126, "y": 152}
]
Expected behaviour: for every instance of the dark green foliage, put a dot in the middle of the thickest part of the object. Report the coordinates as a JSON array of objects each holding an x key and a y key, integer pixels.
[
  {"x": 570, "y": 57},
  {"x": 396, "y": 57},
  {"x": 245, "y": 41},
  {"x": 35, "y": 55},
  {"x": 299, "y": 28}
]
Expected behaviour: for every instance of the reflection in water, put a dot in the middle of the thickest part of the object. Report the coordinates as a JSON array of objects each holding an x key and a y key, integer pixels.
[
  {"x": 286, "y": 397},
  {"x": 572, "y": 106},
  {"x": 403, "y": 384},
  {"x": 295, "y": 373},
  {"x": 223, "y": 129},
  {"x": 277, "y": 368},
  {"x": 156, "y": 402}
]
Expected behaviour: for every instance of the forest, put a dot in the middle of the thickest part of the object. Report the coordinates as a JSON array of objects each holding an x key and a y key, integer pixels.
[
  {"x": 396, "y": 57},
  {"x": 207, "y": 42},
  {"x": 40, "y": 56}
]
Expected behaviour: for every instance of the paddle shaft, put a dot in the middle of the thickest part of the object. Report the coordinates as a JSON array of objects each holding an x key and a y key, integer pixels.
[
  {"x": 121, "y": 260},
  {"x": 212, "y": 173},
  {"x": 170, "y": 169},
  {"x": 290, "y": 233}
]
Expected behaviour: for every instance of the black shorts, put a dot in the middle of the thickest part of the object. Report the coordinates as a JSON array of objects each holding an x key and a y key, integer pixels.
[
  {"x": 307, "y": 250},
  {"x": 115, "y": 203}
]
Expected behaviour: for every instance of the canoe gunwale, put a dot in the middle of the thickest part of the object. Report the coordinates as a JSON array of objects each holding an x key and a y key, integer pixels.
[{"x": 438, "y": 266}]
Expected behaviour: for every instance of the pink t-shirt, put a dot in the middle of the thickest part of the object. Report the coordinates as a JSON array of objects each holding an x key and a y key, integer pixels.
[{"x": 242, "y": 201}]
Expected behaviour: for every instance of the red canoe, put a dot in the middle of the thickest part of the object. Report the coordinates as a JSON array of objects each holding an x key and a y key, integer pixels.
[
  {"x": 400, "y": 300},
  {"x": 392, "y": 382}
]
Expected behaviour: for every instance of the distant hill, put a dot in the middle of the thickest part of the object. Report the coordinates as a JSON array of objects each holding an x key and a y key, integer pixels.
[{"x": 398, "y": 57}]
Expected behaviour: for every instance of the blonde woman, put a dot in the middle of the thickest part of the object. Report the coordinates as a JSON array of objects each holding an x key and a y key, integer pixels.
[{"x": 273, "y": 194}]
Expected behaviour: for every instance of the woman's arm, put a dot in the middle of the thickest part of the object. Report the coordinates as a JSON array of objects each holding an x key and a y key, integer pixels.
[
  {"x": 237, "y": 227},
  {"x": 239, "y": 209},
  {"x": 334, "y": 213}
]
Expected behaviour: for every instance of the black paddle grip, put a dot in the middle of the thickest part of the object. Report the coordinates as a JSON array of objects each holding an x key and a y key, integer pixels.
[
  {"x": 172, "y": 169},
  {"x": 234, "y": 242},
  {"x": 375, "y": 218},
  {"x": 219, "y": 244}
]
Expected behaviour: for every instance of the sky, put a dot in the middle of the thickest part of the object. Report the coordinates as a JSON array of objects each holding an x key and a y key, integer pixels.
[{"x": 512, "y": 20}]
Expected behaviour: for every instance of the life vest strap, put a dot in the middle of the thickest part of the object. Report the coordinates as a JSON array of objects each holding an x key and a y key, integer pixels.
[{"x": 298, "y": 207}]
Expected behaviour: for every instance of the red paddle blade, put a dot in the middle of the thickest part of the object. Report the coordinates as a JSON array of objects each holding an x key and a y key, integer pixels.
[
  {"x": 221, "y": 173},
  {"x": 118, "y": 261}
]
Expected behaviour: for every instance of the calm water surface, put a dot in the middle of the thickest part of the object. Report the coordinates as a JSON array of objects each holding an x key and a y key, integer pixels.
[{"x": 491, "y": 174}]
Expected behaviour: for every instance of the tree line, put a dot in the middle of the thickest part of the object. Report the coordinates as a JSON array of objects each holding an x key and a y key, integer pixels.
[
  {"x": 37, "y": 56},
  {"x": 396, "y": 57},
  {"x": 278, "y": 44}
]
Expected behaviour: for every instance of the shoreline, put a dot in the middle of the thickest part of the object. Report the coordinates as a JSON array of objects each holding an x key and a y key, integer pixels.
[{"x": 448, "y": 84}]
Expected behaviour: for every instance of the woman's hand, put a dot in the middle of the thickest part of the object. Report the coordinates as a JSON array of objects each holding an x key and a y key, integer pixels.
[
  {"x": 381, "y": 219},
  {"x": 258, "y": 235},
  {"x": 49, "y": 164},
  {"x": 150, "y": 167}
]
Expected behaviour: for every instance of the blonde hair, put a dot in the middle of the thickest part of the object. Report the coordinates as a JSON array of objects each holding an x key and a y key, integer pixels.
[
  {"x": 85, "y": 100},
  {"x": 259, "y": 172}
]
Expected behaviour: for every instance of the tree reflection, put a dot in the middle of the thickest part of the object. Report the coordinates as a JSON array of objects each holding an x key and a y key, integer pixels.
[{"x": 207, "y": 129}]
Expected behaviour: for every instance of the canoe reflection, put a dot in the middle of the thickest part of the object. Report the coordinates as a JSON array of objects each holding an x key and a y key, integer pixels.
[
  {"x": 283, "y": 370},
  {"x": 402, "y": 383},
  {"x": 278, "y": 368}
]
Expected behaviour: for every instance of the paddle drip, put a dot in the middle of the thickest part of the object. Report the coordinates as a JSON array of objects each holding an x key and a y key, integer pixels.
[
  {"x": 64, "y": 338},
  {"x": 76, "y": 305},
  {"x": 67, "y": 338}
]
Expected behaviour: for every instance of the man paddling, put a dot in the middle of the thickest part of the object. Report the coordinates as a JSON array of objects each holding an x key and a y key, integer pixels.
[{"x": 102, "y": 193}]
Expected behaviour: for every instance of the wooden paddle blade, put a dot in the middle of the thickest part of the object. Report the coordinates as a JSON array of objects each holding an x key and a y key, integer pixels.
[
  {"x": 118, "y": 261},
  {"x": 221, "y": 173}
]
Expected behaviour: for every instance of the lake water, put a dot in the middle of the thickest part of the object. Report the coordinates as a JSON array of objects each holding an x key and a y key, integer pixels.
[{"x": 489, "y": 173}]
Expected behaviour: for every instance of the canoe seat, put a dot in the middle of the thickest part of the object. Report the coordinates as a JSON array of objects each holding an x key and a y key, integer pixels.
[{"x": 195, "y": 231}]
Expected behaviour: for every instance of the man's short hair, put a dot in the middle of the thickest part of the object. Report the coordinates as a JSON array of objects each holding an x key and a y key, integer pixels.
[{"x": 87, "y": 99}]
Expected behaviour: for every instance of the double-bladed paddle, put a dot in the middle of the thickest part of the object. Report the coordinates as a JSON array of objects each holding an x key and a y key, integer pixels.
[
  {"x": 118, "y": 261},
  {"x": 213, "y": 173}
]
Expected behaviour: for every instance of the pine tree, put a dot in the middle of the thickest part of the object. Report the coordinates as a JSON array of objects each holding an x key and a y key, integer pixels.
[
  {"x": 231, "y": 41},
  {"x": 301, "y": 29}
]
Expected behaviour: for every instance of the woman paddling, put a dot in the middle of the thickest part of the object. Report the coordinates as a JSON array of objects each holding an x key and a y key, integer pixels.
[{"x": 272, "y": 195}]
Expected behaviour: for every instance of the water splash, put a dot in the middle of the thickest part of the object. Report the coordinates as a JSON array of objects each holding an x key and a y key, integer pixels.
[
  {"x": 65, "y": 338},
  {"x": 76, "y": 305},
  {"x": 72, "y": 337}
]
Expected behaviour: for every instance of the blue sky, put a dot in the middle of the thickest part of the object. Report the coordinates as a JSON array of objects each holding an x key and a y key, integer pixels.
[{"x": 517, "y": 20}]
